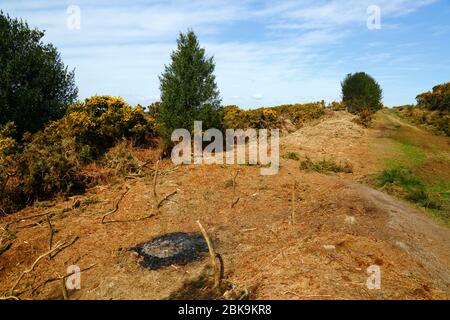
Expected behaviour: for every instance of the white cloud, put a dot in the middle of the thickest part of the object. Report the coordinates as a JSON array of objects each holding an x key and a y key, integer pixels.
[{"x": 122, "y": 46}]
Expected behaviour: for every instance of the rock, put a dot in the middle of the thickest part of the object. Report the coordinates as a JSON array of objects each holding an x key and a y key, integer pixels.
[
  {"x": 350, "y": 219},
  {"x": 329, "y": 247}
]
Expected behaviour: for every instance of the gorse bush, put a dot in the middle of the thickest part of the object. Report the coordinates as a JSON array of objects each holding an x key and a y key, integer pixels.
[
  {"x": 35, "y": 86},
  {"x": 361, "y": 92},
  {"x": 8, "y": 150},
  {"x": 101, "y": 121},
  {"x": 51, "y": 161},
  {"x": 271, "y": 118},
  {"x": 437, "y": 100},
  {"x": 48, "y": 169},
  {"x": 337, "y": 106},
  {"x": 365, "y": 118},
  {"x": 121, "y": 159},
  {"x": 436, "y": 121}
]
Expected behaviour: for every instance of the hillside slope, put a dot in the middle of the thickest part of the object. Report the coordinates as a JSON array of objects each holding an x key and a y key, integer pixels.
[{"x": 341, "y": 228}]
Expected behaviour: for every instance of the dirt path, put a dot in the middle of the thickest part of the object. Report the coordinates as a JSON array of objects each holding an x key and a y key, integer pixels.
[
  {"x": 417, "y": 234},
  {"x": 341, "y": 228}
]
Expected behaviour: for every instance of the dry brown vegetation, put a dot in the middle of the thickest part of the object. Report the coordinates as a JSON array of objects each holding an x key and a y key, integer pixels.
[{"x": 340, "y": 228}]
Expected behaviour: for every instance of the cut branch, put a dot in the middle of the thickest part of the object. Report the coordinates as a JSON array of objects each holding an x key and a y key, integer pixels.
[
  {"x": 165, "y": 199},
  {"x": 64, "y": 289},
  {"x": 57, "y": 247},
  {"x": 234, "y": 200},
  {"x": 52, "y": 232},
  {"x": 5, "y": 248},
  {"x": 155, "y": 179},
  {"x": 293, "y": 203},
  {"x": 116, "y": 205},
  {"x": 59, "y": 278},
  {"x": 65, "y": 245},
  {"x": 212, "y": 253}
]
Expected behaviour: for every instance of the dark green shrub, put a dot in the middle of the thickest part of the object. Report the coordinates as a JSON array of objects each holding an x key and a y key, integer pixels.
[
  {"x": 49, "y": 169},
  {"x": 361, "y": 92},
  {"x": 35, "y": 86}
]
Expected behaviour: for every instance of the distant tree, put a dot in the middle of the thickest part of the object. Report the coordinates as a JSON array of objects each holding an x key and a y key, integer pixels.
[
  {"x": 360, "y": 92},
  {"x": 35, "y": 86},
  {"x": 188, "y": 90}
]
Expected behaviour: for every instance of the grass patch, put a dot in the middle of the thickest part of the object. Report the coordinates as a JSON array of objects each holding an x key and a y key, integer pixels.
[
  {"x": 415, "y": 166},
  {"x": 402, "y": 182},
  {"x": 291, "y": 156},
  {"x": 415, "y": 155},
  {"x": 325, "y": 166}
]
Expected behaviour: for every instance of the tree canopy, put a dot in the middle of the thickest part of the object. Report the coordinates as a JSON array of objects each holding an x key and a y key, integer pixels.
[
  {"x": 35, "y": 85},
  {"x": 361, "y": 92}
]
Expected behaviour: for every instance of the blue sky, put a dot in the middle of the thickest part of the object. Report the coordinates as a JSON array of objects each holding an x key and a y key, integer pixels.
[{"x": 266, "y": 52}]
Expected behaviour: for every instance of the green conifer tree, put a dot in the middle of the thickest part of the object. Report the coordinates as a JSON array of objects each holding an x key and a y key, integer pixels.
[{"x": 188, "y": 90}]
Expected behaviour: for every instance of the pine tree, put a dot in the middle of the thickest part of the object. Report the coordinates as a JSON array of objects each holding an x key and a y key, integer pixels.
[{"x": 188, "y": 90}]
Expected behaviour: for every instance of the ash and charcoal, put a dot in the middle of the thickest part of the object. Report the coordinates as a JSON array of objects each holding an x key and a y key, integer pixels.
[{"x": 176, "y": 248}]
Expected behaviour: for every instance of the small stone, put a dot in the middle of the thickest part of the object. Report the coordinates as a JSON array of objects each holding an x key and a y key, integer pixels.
[
  {"x": 350, "y": 220},
  {"x": 401, "y": 245},
  {"x": 329, "y": 247}
]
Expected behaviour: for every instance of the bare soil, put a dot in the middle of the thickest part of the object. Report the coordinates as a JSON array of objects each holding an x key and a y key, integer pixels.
[{"x": 341, "y": 227}]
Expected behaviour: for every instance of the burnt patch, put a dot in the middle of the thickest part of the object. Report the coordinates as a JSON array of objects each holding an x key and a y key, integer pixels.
[{"x": 177, "y": 248}]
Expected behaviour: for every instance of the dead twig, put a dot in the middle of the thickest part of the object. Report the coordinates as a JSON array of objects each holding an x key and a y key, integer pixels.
[
  {"x": 132, "y": 220},
  {"x": 146, "y": 163},
  {"x": 155, "y": 178},
  {"x": 64, "y": 289},
  {"x": 166, "y": 198},
  {"x": 52, "y": 232},
  {"x": 212, "y": 253},
  {"x": 27, "y": 218},
  {"x": 5, "y": 248},
  {"x": 222, "y": 266},
  {"x": 65, "y": 245},
  {"x": 9, "y": 298},
  {"x": 116, "y": 205},
  {"x": 41, "y": 215},
  {"x": 59, "y": 278},
  {"x": 156, "y": 205},
  {"x": 234, "y": 200},
  {"x": 57, "y": 247},
  {"x": 293, "y": 203},
  {"x": 309, "y": 296}
]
